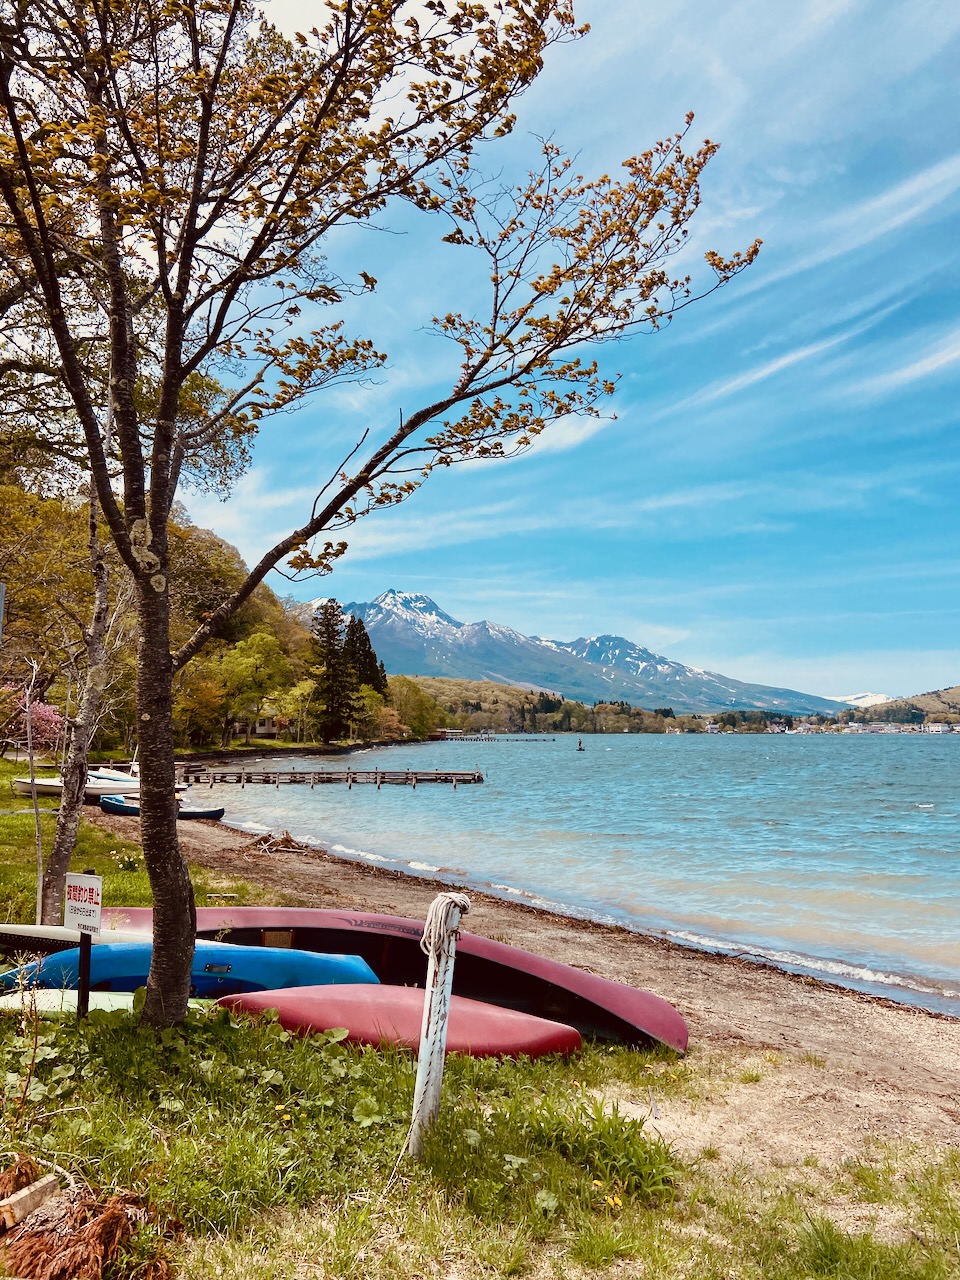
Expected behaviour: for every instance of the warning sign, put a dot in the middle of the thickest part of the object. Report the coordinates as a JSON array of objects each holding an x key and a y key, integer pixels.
[{"x": 82, "y": 900}]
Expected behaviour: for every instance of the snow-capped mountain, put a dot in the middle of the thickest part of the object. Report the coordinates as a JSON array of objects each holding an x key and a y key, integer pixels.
[
  {"x": 865, "y": 699},
  {"x": 413, "y": 636}
]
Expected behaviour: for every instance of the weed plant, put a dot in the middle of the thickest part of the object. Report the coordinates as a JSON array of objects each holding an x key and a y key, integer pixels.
[{"x": 217, "y": 1121}]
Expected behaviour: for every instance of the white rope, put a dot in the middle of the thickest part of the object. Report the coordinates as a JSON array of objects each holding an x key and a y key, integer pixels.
[
  {"x": 439, "y": 942},
  {"x": 440, "y": 929}
]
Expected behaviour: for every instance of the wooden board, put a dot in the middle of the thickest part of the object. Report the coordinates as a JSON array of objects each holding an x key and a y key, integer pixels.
[
  {"x": 485, "y": 970},
  {"x": 392, "y": 1015}
]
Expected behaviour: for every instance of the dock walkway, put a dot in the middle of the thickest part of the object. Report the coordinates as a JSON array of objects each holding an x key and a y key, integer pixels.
[{"x": 199, "y": 775}]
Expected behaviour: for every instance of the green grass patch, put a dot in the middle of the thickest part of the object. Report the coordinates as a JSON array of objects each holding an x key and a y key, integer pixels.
[
  {"x": 120, "y": 862},
  {"x": 218, "y": 1122}
]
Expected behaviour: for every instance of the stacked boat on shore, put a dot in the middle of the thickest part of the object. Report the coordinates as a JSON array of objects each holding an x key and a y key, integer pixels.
[
  {"x": 359, "y": 972},
  {"x": 116, "y": 792},
  {"x": 100, "y": 782}
]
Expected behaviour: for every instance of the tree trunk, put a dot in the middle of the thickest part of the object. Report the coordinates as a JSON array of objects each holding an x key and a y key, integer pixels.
[
  {"x": 81, "y": 733},
  {"x": 174, "y": 909},
  {"x": 68, "y": 818}
]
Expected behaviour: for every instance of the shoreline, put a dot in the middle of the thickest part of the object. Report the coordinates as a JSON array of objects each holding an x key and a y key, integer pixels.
[
  {"x": 807, "y": 1066},
  {"x": 556, "y": 917},
  {"x": 873, "y": 943},
  {"x": 440, "y": 878}
]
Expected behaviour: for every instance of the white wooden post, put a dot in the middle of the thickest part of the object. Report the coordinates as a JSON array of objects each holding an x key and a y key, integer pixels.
[{"x": 440, "y": 944}]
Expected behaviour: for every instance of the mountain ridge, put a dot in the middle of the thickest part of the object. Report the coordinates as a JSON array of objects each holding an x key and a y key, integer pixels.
[{"x": 412, "y": 635}]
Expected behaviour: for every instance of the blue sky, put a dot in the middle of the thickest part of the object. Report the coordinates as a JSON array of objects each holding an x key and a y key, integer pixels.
[{"x": 777, "y": 497}]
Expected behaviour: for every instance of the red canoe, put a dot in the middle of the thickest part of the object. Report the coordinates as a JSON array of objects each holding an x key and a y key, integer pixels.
[
  {"x": 393, "y": 1015},
  {"x": 485, "y": 970}
]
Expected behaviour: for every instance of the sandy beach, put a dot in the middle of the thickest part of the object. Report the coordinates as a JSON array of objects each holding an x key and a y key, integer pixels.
[{"x": 786, "y": 1068}]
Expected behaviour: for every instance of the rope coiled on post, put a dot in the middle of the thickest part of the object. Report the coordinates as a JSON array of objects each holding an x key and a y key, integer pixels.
[{"x": 437, "y": 931}]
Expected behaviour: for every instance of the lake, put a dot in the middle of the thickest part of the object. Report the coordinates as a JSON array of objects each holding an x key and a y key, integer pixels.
[{"x": 833, "y": 855}]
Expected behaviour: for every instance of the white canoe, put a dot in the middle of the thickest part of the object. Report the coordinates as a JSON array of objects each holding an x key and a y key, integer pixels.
[
  {"x": 97, "y": 786},
  {"x": 30, "y": 939},
  {"x": 106, "y": 782},
  {"x": 47, "y": 1002}
]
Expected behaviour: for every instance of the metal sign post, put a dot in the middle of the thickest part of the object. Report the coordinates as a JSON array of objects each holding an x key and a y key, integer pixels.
[{"x": 82, "y": 901}]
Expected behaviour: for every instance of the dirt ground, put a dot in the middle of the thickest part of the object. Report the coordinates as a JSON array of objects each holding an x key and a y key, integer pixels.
[{"x": 786, "y": 1068}]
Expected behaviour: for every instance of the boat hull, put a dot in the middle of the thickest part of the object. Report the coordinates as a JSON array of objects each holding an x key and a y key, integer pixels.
[
  {"x": 122, "y": 807},
  {"x": 46, "y": 939},
  {"x": 492, "y": 972},
  {"x": 388, "y": 1015},
  {"x": 218, "y": 969},
  {"x": 97, "y": 785}
]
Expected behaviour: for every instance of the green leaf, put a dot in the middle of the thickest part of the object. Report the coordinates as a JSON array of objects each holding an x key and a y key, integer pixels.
[
  {"x": 366, "y": 1112},
  {"x": 547, "y": 1202}
]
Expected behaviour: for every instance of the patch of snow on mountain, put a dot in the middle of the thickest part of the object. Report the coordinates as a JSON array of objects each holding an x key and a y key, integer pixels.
[{"x": 861, "y": 699}]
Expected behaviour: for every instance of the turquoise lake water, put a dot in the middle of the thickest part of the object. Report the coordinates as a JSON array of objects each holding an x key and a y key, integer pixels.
[{"x": 833, "y": 855}]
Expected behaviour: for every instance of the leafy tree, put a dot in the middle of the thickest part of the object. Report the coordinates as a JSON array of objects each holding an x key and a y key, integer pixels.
[
  {"x": 294, "y": 705},
  {"x": 249, "y": 672},
  {"x": 198, "y": 702},
  {"x": 418, "y": 711},
  {"x": 70, "y": 614},
  {"x": 169, "y": 175}
]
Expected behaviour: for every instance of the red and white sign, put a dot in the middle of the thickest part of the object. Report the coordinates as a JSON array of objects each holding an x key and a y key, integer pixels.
[{"x": 82, "y": 900}]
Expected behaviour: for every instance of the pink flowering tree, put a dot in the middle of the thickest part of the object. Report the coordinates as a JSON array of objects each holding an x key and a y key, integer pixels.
[{"x": 46, "y": 722}]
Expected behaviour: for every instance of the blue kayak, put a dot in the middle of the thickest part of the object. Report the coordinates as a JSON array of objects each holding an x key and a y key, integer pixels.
[
  {"x": 129, "y": 807},
  {"x": 219, "y": 968}
]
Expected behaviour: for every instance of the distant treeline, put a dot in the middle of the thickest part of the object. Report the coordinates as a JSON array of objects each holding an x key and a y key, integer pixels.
[{"x": 482, "y": 706}]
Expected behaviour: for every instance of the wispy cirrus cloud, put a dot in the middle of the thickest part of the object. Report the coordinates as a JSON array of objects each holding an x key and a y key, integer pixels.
[
  {"x": 937, "y": 358},
  {"x": 858, "y": 225}
]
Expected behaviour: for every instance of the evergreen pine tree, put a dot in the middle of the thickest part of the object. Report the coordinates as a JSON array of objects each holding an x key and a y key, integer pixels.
[
  {"x": 359, "y": 653},
  {"x": 337, "y": 683}
]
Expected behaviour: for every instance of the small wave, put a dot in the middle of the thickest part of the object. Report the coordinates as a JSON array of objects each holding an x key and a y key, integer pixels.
[
  {"x": 360, "y": 854},
  {"x": 840, "y": 969},
  {"x": 507, "y": 888},
  {"x": 424, "y": 866}
]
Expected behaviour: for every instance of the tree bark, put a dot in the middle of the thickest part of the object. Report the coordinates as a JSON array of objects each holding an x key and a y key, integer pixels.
[
  {"x": 174, "y": 908},
  {"x": 81, "y": 733},
  {"x": 68, "y": 818}
]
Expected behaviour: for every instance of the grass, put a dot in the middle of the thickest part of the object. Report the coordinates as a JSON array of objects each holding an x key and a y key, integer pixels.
[
  {"x": 267, "y": 1155},
  {"x": 120, "y": 862}
]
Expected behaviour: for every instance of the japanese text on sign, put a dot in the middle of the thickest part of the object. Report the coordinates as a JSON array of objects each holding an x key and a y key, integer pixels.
[{"x": 82, "y": 900}]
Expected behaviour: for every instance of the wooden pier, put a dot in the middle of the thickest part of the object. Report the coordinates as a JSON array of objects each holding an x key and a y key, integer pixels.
[{"x": 198, "y": 775}]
